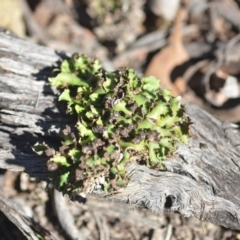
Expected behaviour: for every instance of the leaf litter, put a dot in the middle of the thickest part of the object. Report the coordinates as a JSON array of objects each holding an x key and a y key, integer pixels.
[{"x": 193, "y": 49}]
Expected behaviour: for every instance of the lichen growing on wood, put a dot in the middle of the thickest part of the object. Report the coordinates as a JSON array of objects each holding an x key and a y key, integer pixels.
[{"x": 120, "y": 118}]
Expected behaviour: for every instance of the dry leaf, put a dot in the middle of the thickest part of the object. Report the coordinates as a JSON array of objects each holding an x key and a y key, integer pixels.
[{"x": 172, "y": 56}]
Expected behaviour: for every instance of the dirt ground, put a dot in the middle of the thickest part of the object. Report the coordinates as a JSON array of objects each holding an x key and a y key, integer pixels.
[{"x": 192, "y": 46}]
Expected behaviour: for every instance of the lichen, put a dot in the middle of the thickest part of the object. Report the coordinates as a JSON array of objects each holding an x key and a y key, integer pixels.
[
  {"x": 99, "y": 10},
  {"x": 120, "y": 119}
]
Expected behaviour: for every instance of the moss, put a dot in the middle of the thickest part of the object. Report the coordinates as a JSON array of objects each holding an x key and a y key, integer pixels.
[{"x": 120, "y": 119}]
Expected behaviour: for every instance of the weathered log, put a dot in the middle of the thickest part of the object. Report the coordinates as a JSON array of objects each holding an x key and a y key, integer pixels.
[{"x": 201, "y": 180}]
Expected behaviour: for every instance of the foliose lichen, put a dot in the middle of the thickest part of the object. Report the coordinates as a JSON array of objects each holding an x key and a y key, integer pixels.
[
  {"x": 100, "y": 9},
  {"x": 120, "y": 118}
]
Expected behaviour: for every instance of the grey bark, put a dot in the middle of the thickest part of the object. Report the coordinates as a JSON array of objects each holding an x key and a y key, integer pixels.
[
  {"x": 25, "y": 224},
  {"x": 201, "y": 180}
]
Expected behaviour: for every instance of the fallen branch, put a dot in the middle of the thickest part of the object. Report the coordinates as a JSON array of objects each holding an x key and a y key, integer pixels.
[{"x": 201, "y": 180}]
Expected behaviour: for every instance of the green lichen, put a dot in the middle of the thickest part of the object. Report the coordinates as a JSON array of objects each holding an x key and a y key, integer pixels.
[
  {"x": 100, "y": 9},
  {"x": 120, "y": 118}
]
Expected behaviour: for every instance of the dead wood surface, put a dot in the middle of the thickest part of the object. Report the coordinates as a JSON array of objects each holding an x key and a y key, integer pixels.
[{"x": 201, "y": 180}]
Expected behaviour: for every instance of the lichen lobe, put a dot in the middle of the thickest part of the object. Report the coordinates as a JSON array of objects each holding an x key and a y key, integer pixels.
[{"x": 120, "y": 118}]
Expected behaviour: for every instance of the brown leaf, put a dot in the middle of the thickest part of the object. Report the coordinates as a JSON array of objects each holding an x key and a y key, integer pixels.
[{"x": 172, "y": 56}]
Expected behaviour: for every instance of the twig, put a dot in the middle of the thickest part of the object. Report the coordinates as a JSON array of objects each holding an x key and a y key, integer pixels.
[
  {"x": 65, "y": 217},
  {"x": 169, "y": 232},
  {"x": 33, "y": 27},
  {"x": 103, "y": 230},
  {"x": 25, "y": 224}
]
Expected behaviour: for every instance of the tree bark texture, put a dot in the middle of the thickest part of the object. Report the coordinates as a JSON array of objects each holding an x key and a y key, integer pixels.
[{"x": 201, "y": 179}]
